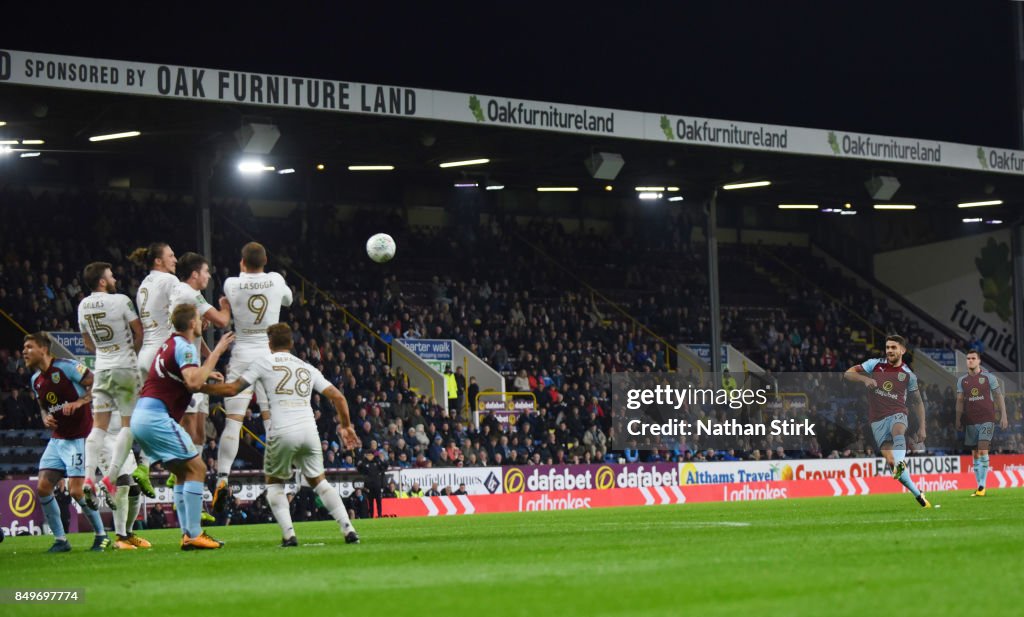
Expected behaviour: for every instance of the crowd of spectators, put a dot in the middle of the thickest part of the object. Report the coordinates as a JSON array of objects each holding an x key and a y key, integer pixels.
[{"x": 515, "y": 294}]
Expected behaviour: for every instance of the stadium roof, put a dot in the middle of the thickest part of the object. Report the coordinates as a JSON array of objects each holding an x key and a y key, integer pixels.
[{"x": 184, "y": 111}]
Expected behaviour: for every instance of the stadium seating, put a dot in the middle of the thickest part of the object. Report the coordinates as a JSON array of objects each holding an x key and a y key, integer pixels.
[{"x": 561, "y": 309}]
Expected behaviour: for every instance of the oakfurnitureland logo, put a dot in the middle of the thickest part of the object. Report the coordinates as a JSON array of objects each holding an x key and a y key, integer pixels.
[
  {"x": 716, "y": 132},
  {"x": 541, "y": 115},
  {"x": 1001, "y": 160},
  {"x": 885, "y": 148}
]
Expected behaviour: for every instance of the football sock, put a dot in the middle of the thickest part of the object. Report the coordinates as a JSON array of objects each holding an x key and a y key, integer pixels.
[
  {"x": 228, "y": 448},
  {"x": 52, "y": 513},
  {"x": 134, "y": 505},
  {"x": 179, "y": 505},
  {"x": 122, "y": 446},
  {"x": 981, "y": 470},
  {"x": 94, "y": 451},
  {"x": 334, "y": 505},
  {"x": 94, "y": 518},
  {"x": 193, "y": 499},
  {"x": 121, "y": 513},
  {"x": 279, "y": 506},
  {"x": 899, "y": 449}
]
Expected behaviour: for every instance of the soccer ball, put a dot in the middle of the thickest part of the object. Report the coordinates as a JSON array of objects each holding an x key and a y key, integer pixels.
[{"x": 380, "y": 248}]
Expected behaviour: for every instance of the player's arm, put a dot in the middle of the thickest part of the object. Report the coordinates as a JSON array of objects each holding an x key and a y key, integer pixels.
[
  {"x": 856, "y": 374},
  {"x": 85, "y": 380},
  {"x": 1004, "y": 421},
  {"x": 136, "y": 326},
  {"x": 225, "y": 389},
  {"x": 220, "y": 318},
  {"x": 916, "y": 405},
  {"x": 48, "y": 420},
  {"x": 345, "y": 429},
  {"x": 286, "y": 292},
  {"x": 960, "y": 411},
  {"x": 87, "y": 341},
  {"x": 195, "y": 376}
]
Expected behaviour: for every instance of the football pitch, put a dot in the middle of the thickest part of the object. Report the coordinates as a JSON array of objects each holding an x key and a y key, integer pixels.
[{"x": 874, "y": 555}]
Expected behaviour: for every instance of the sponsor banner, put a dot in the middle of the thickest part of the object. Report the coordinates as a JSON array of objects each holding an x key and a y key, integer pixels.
[
  {"x": 436, "y": 353},
  {"x": 809, "y": 469},
  {"x": 429, "y": 349},
  {"x": 20, "y": 512},
  {"x": 506, "y": 408},
  {"x": 703, "y": 351},
  {"x": 283, "y": 91},
  {"x": 996, "y": 462},
  {"x": 478, "y": 480},
  {"x": 582, "y": 499},
  {"x": 204, "y": 84},
  {"x": 505, "y": 416},
  {"x": 585, "y": 477},
  {"x": 73, "y": 342},
  {"x": 540, "y": 115},
  {"x": 946, "y": 358},
  {"x": 965, "y": 284}
]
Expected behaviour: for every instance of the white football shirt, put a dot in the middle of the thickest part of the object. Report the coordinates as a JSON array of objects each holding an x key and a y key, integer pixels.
[
  {"x": 106, "y": 318},
  {"x": 154, "y": 302},
  {"x": 289, "y": 383},
  {"x": 256, "y": 300},
  {"x": 184, "y": 294}
]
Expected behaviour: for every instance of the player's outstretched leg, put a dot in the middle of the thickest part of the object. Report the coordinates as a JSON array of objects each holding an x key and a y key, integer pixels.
[
  {"x": 278, "y": 503},
  {"x": 899, "y": 454},
  {"x": 333, "y": 504},
  {"x": 227, "y": 450}
]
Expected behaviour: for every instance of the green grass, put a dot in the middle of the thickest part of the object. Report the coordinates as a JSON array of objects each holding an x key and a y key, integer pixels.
[{"x": 870, "y": 556}]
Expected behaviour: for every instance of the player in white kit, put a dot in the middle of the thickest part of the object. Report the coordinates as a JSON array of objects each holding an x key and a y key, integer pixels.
[
  {"x": 292, "y": 436},
  {"x": 256, "y": 298},
  {"x": 112, "y": 330},
  {"x": 153, "y": 300},
  {"x": 194, "y": 275}
]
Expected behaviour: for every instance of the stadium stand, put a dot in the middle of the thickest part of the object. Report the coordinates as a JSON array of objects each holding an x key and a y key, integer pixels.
[{"x": 531, "y": 299}]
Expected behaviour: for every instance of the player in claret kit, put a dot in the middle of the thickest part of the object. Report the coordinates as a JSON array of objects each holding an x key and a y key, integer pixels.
[
  {"x": 174, "y": 376},
  {"x": 61, "y": 389},
  {"x": 893, "y": 389},
  {"x": 978, "y": 397}
]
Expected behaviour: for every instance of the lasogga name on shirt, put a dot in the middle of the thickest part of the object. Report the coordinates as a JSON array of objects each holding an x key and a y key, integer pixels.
[{"x": 256, "y": 285}]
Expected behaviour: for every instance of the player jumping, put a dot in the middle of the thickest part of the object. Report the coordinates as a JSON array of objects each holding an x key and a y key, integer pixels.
[
  {"x": 893, "y": 389},
  {"x": 154, "y": 303},
  {"x": 256, "y": 298},
  {"x": 194, "y": 273}
]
